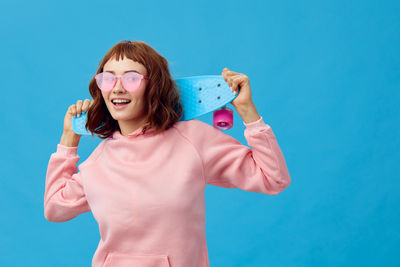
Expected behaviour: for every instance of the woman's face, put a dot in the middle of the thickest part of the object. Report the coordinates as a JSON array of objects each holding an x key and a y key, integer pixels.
[{"x": 132, "y": 113}]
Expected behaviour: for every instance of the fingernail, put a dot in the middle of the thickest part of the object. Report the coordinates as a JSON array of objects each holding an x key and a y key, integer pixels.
[{"x": 78, "y": 114}]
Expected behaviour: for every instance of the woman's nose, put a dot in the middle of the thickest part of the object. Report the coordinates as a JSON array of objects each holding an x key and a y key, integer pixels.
[{"x": 118, "y": 85}]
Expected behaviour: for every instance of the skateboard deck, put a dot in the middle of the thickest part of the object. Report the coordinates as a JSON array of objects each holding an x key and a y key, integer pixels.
[{"x": 199, "y": 95}]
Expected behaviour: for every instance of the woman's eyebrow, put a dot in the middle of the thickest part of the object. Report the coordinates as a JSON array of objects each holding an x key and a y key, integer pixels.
[{"x": 124, "y": 71}]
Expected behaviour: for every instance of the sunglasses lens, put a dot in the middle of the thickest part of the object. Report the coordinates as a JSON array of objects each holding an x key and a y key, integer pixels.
[
  {"x": 105, "y": 81},
  {"x": 131, "y": 81}
]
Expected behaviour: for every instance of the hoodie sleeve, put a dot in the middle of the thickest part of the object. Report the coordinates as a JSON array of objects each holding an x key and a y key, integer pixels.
[
  {"x": 64, "y": 197},
  {"x": 228, "y": 163}
]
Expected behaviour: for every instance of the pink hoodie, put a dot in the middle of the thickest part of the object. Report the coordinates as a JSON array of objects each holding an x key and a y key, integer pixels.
[{"x": 146, "y": 191}]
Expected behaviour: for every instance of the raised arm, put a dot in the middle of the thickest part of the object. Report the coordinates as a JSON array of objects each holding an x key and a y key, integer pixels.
[
  {"x": 64, "y": 197},
  {"x": 228, "y": 163}
]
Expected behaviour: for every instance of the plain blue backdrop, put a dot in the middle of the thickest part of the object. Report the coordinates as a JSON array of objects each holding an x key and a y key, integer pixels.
[{"x": 325, "y": 75}]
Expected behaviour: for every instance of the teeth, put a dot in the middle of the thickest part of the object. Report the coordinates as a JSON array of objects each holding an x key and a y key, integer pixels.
[{"x": 121, "y": 101}]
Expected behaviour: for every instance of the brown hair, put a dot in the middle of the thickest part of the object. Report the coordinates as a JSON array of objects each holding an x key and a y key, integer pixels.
[{"x": 162, "y": 99}]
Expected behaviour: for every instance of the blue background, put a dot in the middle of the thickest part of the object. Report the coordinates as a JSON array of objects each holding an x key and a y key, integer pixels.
[{"x": 324, "y": 75}]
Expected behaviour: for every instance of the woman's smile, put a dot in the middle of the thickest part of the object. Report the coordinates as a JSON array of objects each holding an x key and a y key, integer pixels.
[{"x": 119, "y": 106}]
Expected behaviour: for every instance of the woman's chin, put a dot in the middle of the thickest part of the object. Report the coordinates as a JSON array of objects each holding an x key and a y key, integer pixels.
[{"x": 122, "y": 116}]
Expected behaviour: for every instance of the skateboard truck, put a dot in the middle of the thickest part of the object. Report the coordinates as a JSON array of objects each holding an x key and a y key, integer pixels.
[{"x": 223, "y": 118}]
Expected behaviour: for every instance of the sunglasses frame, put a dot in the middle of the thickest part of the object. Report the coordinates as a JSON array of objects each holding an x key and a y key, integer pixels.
[{"x": 119, "y": 76}]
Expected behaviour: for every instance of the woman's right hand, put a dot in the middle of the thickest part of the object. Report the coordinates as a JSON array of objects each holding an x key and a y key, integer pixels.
[{"x": 74, "y": 110}]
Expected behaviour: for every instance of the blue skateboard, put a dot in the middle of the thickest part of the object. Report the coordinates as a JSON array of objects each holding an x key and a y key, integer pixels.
[{"x": 199, "y": 95}]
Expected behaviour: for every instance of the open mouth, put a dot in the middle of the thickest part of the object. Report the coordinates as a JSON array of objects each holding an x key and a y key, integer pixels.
[{"x": 118, "y": 103}]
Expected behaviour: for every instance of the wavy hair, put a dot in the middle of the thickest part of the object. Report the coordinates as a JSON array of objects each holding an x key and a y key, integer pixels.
[{"x": 162, "y": 98}]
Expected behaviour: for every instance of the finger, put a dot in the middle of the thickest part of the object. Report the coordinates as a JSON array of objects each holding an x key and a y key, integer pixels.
[
  {"x": 79, "y": 104},
  {"x": 228, "y": 72},
  {"x": 227, "y": 78},
  {"x": 85, "y": 105},
  {"x": 91, "y": 103},
  {"x": 230, "y": 80},
  {"x": 225, "y": 73},
  {"x": 236, "y": 82},
  {"x": 73, "y": 110}
]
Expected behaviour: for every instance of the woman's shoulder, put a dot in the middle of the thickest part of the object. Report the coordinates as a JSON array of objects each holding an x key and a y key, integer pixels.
[
  {"x": 196, "y": 130},
  {"x": 192, "y": 126},
  {"x": 94, "y": 155}
]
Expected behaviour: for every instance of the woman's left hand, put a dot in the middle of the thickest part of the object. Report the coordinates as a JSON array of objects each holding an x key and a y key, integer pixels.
[
  {"x": 239, "y": 81},
  {"x": 243, "y": 103}
]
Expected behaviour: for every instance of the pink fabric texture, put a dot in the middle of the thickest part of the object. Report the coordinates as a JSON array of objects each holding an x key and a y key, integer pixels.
[{"x": 146, "y": 191}]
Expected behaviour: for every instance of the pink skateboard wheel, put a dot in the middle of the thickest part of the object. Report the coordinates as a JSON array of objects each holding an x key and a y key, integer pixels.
[{"x": 223, "y": 118}]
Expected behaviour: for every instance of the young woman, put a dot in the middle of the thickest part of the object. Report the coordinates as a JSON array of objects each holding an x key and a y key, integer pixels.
[{"x": 145, "y": 182}]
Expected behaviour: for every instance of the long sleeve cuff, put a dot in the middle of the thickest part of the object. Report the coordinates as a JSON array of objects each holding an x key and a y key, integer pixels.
[
  {"x": 256, "y": 126},
  {"x": 67, "y": 150}
]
